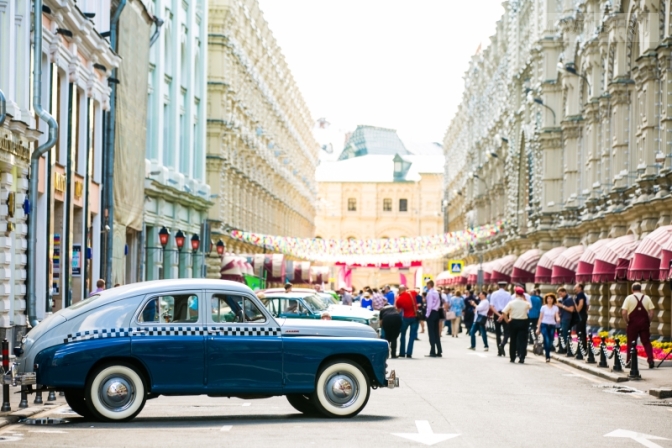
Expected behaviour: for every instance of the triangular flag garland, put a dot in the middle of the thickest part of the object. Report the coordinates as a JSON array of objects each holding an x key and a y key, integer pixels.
[{"x": 372, "y": 251}]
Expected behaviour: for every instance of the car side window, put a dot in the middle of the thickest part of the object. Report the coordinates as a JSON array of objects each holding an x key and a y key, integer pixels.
[
  {"x": 293, "y": 306},
  {"x": 235, "y": 309},
  {"x": 176, "y": 308}
]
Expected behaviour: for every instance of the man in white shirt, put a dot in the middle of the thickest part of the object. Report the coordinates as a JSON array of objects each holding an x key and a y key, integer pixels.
[{"x": 498, "y": 302}]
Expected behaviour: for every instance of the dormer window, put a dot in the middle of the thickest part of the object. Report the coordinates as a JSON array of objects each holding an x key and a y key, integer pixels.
[
  {"x": 397, "y": 167},
  {"x": 401, "y": 168}
]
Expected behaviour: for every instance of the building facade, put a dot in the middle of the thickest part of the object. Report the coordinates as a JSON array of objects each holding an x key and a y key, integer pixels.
[
  {"x": 261, "y": 152},
  {"x": 564, "y": 129},
  {"x": 176, "y": 194},
  {"x": 76, "y": 64},
  {"x": 17, "y": 137},
  {"x": 378, "y": 189}
]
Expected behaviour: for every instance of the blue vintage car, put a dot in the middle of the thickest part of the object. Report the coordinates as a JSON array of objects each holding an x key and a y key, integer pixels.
[{"x": 113, "y": 351}]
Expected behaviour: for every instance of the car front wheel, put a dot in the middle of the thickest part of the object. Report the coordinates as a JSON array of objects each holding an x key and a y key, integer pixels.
[
  {"x": 342, "y": 389},
  {"x": 76, "y": 401},
  {"x": 115, "y": 393}
]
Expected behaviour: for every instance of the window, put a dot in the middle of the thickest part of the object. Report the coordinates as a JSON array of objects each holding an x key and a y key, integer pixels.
[
  {"x": 182, "y": 308},
  {"x": 403, "y": 205},
  {"x": 352, "y": 204},
  {"x": 387, "y": 205},
  {"x": 235, "y": 309}
]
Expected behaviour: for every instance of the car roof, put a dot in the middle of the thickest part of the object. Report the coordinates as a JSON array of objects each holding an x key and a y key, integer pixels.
[
  {"x": 274, "y": 290},
  {"x": 289, "y": 295},
  {"x": 152, "y": 286}
]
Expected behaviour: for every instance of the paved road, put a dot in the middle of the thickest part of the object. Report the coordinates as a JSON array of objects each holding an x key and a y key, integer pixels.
[{"x": 485, "y": 400}]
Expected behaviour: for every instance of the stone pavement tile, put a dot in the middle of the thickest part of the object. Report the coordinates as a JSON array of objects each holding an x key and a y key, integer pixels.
[{"x": 16, "y": 414}]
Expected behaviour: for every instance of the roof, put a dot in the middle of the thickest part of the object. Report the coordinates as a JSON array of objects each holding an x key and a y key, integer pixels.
[
  {"x": 372, "y": 140},
  {"x": 377, "y": 168}
]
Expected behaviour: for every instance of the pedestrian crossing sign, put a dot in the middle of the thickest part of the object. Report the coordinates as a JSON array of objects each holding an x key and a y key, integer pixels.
[{"x": 455, "y": 267}]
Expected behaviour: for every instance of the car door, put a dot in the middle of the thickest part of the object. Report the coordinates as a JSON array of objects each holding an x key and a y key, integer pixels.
[
  {"x": 243, "y": 346},
  {"x": 168, "y": 337}
]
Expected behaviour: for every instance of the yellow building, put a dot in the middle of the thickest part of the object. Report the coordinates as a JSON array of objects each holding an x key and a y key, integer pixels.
[
  {"x": 261, "y": 153},
  {"x": 379, "y": 188}
]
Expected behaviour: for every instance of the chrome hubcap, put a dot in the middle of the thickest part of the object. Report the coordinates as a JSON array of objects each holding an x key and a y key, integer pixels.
[
  {"x": 117, "y": 393},
  {"x": 341, "y": 389}
]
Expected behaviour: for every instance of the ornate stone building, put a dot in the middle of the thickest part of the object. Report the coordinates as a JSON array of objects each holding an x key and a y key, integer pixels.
[
  {"x": 565, "y": 131},
  {"x": 379, "y": 188},
  {"x": 261, "y": 152}
]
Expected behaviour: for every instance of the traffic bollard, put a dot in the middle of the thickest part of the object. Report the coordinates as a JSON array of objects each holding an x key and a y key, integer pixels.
[
  {"x": 603, "y": 354},
  {"x": 591, "y": 353},
  {"x": 618, "y": 367},
  {"x": 579, "y": 348},
  {"x": 24, "y": 398},
  {"x": 52, "y": 396},
  {"x": 568, "y": 343},
  {"x": 6, "y": 407},
  {"x": 38, "y": 395},
  {"x": 634, "y": 367},
  {"x": 559, "y": 347}
]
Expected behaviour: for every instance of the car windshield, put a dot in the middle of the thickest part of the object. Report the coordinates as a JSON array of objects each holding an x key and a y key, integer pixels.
[
  {"x": 328, "y": 299},
  {"x": 315, "y": 303}
]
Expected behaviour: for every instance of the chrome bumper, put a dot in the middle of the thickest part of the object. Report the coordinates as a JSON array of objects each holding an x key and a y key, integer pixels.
[
  {"x": 392, "y": 380},
  {"x": 23, "y": 379}
]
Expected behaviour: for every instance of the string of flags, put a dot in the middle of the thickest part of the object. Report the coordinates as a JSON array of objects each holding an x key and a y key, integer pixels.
[{"x": 372, "y": 251}]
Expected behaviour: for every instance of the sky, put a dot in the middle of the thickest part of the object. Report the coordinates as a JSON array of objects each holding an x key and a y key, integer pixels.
[{"x": 391, "y": 63}]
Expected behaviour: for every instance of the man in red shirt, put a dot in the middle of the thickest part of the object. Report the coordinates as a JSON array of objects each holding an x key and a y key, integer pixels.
[{"x": 407, "y": 305}]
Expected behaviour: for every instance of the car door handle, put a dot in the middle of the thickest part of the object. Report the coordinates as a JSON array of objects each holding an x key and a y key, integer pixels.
[
  {"x": 213, "y": 331},
  {"x": 138, "y": 332}
]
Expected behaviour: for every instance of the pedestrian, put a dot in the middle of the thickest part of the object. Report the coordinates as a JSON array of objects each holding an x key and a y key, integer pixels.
[
  {"x": 422, "y": 306},
  {"x": 446, "y": 296},
  {"x": 498, "y": 301},
  {"x": 377, "y": 300},
  {"x": 535, "y": 301},
  {"x": 566, "y": 305},
  {"x": 581, "y": 314},
  {"x": 432, "y": 314},
  {"x": 366, "y": 301},
  {"x": 409, "y": 319},
  {"x": 390, "y": 320},
  {"x": 468, "y": 314},
  {"x": 389, "y": 295},
  {"x": 100, "y": 287},
  {"x": 549, "y": 316},
  {"x": 456, "y": 307},
  {"x": 515, "y": 313},
  {"x": 481, "y": 313},
  {"x": 346, "y": 298},
  {"x": 288, "y": 287},
  {"x": 325, "y": 316},
  {"x": 637, "y": 311}
]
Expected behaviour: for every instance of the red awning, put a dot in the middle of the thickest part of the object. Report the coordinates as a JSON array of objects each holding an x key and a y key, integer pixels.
[
  {"x": 525, "y": 267},
  {"x": 564, "y": 267},
  {"x": 442, "y": 278},
  {"x": 545, "y": 265},
  {"x": 666, "y": 261},
  {"x": 502, "y": 268},
  {"x": 606, "y": 259},
  {"x": 646, "y": 261},
  {"x": 487, "y": 272},
  {"x": 584, "y": 270}
]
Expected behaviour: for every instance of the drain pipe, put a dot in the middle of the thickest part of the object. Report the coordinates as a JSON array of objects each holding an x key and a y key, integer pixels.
[
  {"x": 109, "y": 153},
  {"x": 31, "y": 303},
  {"x": 3, "y": 108}
]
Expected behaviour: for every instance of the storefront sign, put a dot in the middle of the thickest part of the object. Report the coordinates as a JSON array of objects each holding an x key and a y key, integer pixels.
[
  {"x": 76, "y": 260},
  {"x": 79, "y": 189},
  {"x": 10, "y": 146},
  {"x": 59, "y": 182}
]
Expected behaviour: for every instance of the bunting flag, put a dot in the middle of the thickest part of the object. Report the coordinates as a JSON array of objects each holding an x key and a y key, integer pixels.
[{"x": 372, "y": 251}]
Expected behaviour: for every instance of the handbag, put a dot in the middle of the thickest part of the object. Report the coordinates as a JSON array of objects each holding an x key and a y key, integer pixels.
[
  {"x": 538, "y": 348},
  {"x": 450, "y": 315},
  {"x": 481, "y": 319}
]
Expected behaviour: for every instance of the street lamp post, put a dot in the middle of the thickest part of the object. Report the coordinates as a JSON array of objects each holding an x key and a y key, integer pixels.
[
  {"x": 179, "y": 242},
  {"x": 164, "y": 234}
]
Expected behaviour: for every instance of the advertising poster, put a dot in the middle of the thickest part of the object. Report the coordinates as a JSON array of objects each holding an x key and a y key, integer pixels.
[
  {"x": 57, "y": 264},
  {"x": 76, "y": 260}
]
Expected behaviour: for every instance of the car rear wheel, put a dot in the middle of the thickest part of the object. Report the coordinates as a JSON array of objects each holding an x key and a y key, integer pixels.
[
  {"x": 77, "y": 402},
  {"x": 115, "y": 393},
  {"x": 342, "y": 389},
  {"x": 302, "y": 403}
]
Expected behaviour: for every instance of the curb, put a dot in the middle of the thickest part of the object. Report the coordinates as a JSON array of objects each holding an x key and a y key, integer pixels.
[
  {"x": 581, "y": 365},
  {"x": 10, "y": 419}
]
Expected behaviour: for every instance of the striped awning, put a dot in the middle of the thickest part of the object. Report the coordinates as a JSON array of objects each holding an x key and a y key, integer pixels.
[
  {"x": 645, "y": 263},
  {"x": 231, "y": 268},
  {"x": 525, "y": 267},
  {"x": 487, "y": 272},
  {"x": 545, "y": 265},
  {"x": 584, "y": 270},
  {"x": 442, "y": 278},
  {"x": 502, "y": 269},
  {"x": 666, "y": 261},
  {"x": 606, "y": 258},
  {"x": 564, "y": 267}
]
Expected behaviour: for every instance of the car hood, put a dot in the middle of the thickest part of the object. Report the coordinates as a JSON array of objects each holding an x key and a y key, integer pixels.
[
  {"x": 347, "y": 310},
  {"x": 327, "y": 328}
]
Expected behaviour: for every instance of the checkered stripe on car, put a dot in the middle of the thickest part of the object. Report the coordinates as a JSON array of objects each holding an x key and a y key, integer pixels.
[{"x": 171, "y": 331}]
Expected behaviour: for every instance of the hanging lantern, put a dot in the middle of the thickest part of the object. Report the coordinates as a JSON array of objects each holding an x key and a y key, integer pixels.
[
  {"x": 163, "y": 236},
  {"x": 179, "y": 239},
  {"x": 220, "y": 247},
  {"x": 195, "y": 242}
]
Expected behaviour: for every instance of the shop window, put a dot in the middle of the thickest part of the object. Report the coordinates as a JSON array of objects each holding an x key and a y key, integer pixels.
[
  {"x": 403, "y": 205},
  {"x": 352, "y": 204}
]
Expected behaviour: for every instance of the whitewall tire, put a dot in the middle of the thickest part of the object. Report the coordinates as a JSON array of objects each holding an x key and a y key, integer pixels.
[
  {"x": 115, "y": 393},
  {"x": 342, "y": 389}
]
